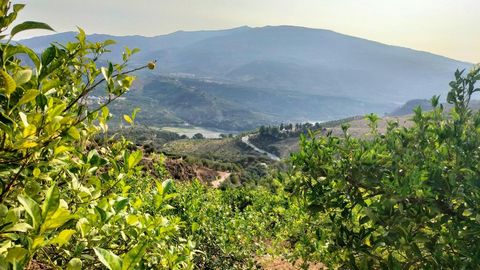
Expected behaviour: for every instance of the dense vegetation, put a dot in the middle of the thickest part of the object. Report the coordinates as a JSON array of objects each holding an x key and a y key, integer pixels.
[
  {"x": 404, "y": 199},
  {"x": 74, "y": 196}
]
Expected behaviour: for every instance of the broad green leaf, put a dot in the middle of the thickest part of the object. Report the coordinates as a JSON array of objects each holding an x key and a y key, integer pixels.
[
  {"x": 22, "y": 76},
  {"x": 32, "y": 208},
  {"x": 29, "y": 130},
  {"x": 28, "y": 144},
  {"x": 81, "y": 36},
  {"x": 134, "y": 113},
  {"x": 51, "y": 203},
  {"x": 61, "y": 149},
  {"x": 73, "y": 132},
  {"x": 36, "y": 172},
  {"x": 48, "y": 55},
  {"x": 134, "y": 158},
  {"x": 119, "y": 205},
  {"x": 108, "y": 258},
  {"x": 28, "y": 96},
  {"x": 105, "y": 74},
  {"x": 167, "y": 186},
  {"x": 24, "y": 119},
  {"x": 18, "y": 7},
  {"x": 38, "y": 242},
  {"x": 29, "y": 25},
  {"x": 134, "y": 256},
  {"x": 109, "y": 42},
  {"x": 19, "y": 227},
  {"x": 128, "y": 119},
  {"x": 16, "y": 253},
  {"x": 62, "y": 238},
  {"x": 20, "y": 49},
  {"x": 7, "y": 83},
  {"x": 56, "y": 220},
  {"x": 74, "y": 264},
  {"x": 101, "y": 213}
]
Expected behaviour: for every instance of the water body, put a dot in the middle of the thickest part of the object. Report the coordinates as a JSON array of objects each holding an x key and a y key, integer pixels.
[{"x": 190, "y": 131}]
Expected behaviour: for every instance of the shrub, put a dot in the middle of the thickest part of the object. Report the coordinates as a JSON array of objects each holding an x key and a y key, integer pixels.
[
  {"x": 405, "y": 199},
  {"x": 65, "y": 200}
]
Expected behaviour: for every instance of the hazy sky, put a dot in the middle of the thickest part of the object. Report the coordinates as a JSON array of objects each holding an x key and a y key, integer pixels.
[{"x": 446, "y": 27}]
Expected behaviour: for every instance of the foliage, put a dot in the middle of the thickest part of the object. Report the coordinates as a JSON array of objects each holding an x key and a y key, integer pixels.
[
  {"x": 198, "y": 136},
  {"x": 406, "y": 199},
  {"x": 64, "y": 199},
  {"x": 234, "y": 226}
]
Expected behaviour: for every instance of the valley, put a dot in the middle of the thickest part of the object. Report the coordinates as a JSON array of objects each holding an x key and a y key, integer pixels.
[
  {"x": 269, "y": 147},
  {"x": 238, "y": 79}
]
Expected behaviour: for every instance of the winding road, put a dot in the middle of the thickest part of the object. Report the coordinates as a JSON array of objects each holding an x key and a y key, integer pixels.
[{"x": 245, "y": 140}]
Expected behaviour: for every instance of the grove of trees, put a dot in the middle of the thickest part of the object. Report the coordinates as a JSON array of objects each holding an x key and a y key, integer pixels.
[{"x": 73, "y": 196}]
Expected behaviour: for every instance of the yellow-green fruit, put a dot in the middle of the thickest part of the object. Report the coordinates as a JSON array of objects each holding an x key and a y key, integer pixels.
[{"x": 151, "y": 65}]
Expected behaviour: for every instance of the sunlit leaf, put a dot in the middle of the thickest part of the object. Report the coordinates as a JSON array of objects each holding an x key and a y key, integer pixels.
[
  {"x": 29, "y": 25},
  {"x": 108, "y": 258}
]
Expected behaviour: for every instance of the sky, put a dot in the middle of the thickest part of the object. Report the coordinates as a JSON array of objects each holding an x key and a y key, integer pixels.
[{"x": 445, "y": 27}]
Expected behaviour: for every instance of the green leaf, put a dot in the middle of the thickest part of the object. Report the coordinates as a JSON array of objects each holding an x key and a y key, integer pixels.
[
  {"x": 19, "y": 227},
  {"x": 18, "y": 7},
  {"x": 134, "y": 256},
  {"x": 20, "y": 49},
  {"x": 134, "y": 113},
  {"x": 56, "y": 220},
  {"x": 81, "y": 36},
  {"x": 36, "y": 172},
  {"x": 63, "y": 237},
  {"x": 51, "y": 203},
  {"x": 109, "y": 42},
  {"x": 48, "y": 55},
  {"x": 134, "y": 158},
  {"x": 73, "y": 132},
  {"x": 167, "y": 186},
  {"x": 128, "y": 119},
  {"x": 119, "y": 205},
  {"x": 102, "y": 214},
  {"x": 74, "y": 264},
  {"x": 16, "y": 254},
  {"x": 22, "y": 76},
  {"x": 32, "y": 208},
  {"x": 105, "y": 74},
  {"x": 24, "y": 119},
  {"x": 7, "y": 83},
  {"x": 108, "y": 258},
  {"x": 29, "y": 25},
  {"x": 28, "y": 96}
]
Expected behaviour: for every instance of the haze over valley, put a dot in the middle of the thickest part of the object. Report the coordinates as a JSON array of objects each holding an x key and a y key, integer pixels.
[{"x": 238, "y": 79}]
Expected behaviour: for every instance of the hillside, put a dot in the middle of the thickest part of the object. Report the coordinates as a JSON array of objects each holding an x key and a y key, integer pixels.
[
  {"x": 237, "y": 79},
  {"x": 167, "y": 101}
]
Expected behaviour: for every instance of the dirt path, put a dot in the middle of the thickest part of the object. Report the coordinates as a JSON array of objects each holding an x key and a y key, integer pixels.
[
  {"x": 222, "y": 176},
  {"x": 245, "y": 140}
]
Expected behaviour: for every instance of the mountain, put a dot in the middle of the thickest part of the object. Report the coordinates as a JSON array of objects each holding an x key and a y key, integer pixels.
[
  {"x": 314, "y": 61},
  {"x": 244, "y": 76},
  {"x": 410, "y": 105}
]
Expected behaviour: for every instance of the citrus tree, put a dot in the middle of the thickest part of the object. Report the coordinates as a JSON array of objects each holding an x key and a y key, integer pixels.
[
  {"x": 406, "y": 199},
  {"x": 67, "y": 200}
]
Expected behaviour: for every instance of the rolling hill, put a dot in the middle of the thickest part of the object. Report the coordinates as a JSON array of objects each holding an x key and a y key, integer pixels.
[{"x": 238, "y": 78}]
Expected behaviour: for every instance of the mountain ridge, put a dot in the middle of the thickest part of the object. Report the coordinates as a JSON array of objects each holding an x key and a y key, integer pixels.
[{"x": 278, "y": 73}]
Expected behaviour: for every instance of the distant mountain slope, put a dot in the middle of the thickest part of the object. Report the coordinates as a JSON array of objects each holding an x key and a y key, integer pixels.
[
  {"x": 244, "y": 76},
  {"x": 168, "y": 101},
  {"x": 410, "y": 105},
  {"x": 148, "y": 45},
  {"x": 314, "y": 61}
]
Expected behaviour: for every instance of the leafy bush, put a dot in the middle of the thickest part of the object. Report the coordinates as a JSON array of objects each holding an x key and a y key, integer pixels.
[
  {"x": 64, "y": 200},
  {"x": 406, "y": 199},
  {"x": 232, "y": 227}
]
